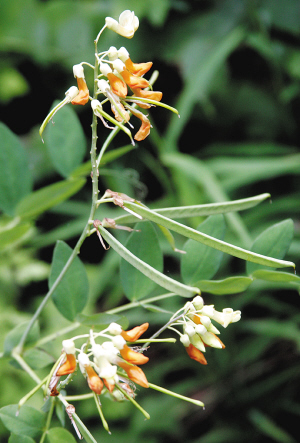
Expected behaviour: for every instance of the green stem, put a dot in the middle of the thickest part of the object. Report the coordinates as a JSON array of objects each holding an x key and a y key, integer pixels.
[
  {"x": 173, "y": 394},
  {"x": 145, "y": 413},
  {"x": 25, "y": 366},
  {"x": 85, "y": 232},
  {"x": 134, "y": 304},
  {"x": 48, "y": 422},
  {"x": 104, "y": 422}
]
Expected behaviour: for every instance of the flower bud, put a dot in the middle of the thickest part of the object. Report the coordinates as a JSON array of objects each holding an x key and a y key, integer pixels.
[
  {"x": 114, "y": 328},
  {"x": 119, "y": 342},
  {"x": 198, "y": 302},
  {"x": 68, "y": 346},
  {"x": 185, "y": 340},
  {"x": 105, "y": 69},
  {"x": 200, "y": 329},
  {"x": 112, "y": 53},
  {"x": 123, "y": 54},
  {"x": 78, "y": 71},
  {"x": 189, "y": 330},
  {"x": 118, "y": 65},
  {"x": 71, "y": 93}
]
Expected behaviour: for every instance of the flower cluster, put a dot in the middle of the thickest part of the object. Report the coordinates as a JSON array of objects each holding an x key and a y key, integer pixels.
[
  {"x": 114, "y": 364},
  {"x": 198, "y": 329},
  {"x": 114, "y": 74}
]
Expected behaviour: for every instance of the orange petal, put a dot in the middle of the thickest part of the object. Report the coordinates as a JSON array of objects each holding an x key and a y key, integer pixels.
[
  {"x": 133, "y": 81},
  {"x": 136, "y": 358},
  {"x": 83, "y": 97},
  {"x": 152, "y": 95},
  {"x": 196, "y": 319},
  {"x": 94, "y": 381},
  {"x": 135, "y": 333},
  {"x": 135, "y": 374},
  {"x": 109, "y": 386},
  {"x": 195, "y": 354},
  {"x": 118, "y": 86},
  {"x": 138, "y": 68},
  {"x": 144, "y": 130},
  {"x": 68, "y": 367}
]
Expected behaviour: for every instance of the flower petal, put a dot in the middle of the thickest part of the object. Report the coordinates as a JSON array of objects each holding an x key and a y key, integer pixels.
[
  {"x": 195, "y": 354},
  {"x": 135, "y": 333},
  {"x": 135, "y": 374},
  {"x": 133, "y": 81},
  {"x": 94, "y": 381},
  {"x": 136, "y": 358},
  {"x": 138, "y": 69},
  {"x": 83, "y": 97},
  {"x": 118, "y": 86},
  {"x": 68, "y": 367}
]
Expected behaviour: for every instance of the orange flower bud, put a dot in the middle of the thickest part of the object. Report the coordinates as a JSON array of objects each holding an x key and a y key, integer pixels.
[
  {"x": 138, "y": 69},
  {"x": 118, "y": 86},
  {"x": 135, "y": 374},
  {"x": 83, "y": 97},
  {"x": 94, "y": 381},
  {"x": 195, "y": 354},
  {"x": 133, "y": 81},
  {"x": 144, "y": 130},
  {"x": 68, "y": 367},
  {"x": 109, "y": 386},
  {"x": 135, "y": 333},
  {"x": 136, "y": 358}
]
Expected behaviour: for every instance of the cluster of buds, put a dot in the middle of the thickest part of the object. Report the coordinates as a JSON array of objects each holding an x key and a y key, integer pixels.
[
  {"x": 198, "y": 329},
  {"x": 115, "y": 73},
  {"x": 114, "y": 364}
]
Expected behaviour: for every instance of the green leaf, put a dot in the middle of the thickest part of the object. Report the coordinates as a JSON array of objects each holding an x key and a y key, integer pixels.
[
  {"x": 15, "y": 438},
  {"x": 9, "y": 236},
  {"x": 37, "y": 358},
  {"x": 14, "y": 336},
  {"x": 28, "y": 422},
  {"x": 101, "y": 320},
  {"x": 274, "y": 242},
  {"x": 230, "y": 285},
  {"x": 270, "y": 275},
  {"x": 206, "y": 239},
  {"x": 166, "y": 282},
  {"x": 71, "y": 295},
  {"x": 15, "y": 178},
  {"x": 40, "y": 201},
  {"x": 268, "y": 427},
  {"x": 145, "y": 246},
  {"x": 59, "y": 435},
  {"x": 65, "y": 141},
  {"x": 200, "y": 261}
]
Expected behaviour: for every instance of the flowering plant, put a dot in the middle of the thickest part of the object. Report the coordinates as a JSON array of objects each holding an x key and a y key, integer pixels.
[{"x": 108, "y": 354}]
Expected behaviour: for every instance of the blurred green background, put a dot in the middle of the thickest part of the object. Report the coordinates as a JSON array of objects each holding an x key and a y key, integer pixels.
[{"x": 232, "y": 68}]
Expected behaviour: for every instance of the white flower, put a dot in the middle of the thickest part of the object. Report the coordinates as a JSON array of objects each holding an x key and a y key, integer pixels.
[
  {"x": 68, "y": 346},
  {"x": 127, "y": 25},
  {"x": 123, "y": 54},
  {"x": 71, "y": 93},
  {"x": 78, "y": 71},
  {"x": 114, "y": 329},
  {"x": 105, "y": 69},
  {"x": 226, "y": 317}
]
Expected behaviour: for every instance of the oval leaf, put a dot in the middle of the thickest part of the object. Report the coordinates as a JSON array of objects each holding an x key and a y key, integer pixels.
[
  {"x": 29, "y": 421},
  {"x": 145, "y": 246},
  {"x": 269, "y": 275},
  {"x": 9, "y": 236},
  {"x": 59, "y": 435},
  {"x": 200, "y": 261},
  {"x": 65, "y": 141},
  {"x": 274, "y": 242},
  {"x": 14, "y": 336},
  {"x": 40, "y": 201},
  {"x": 15, "y": 438},
  {"x": 71, "y": 294},
  {"x": 15, "y": 178},
  {"x": 230, "y": 285}
]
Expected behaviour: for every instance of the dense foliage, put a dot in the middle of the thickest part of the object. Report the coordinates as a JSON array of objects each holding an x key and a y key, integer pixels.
[{"x": 232, "y": 69}]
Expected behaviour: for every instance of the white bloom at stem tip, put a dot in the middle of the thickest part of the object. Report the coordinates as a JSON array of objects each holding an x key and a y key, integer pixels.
[
  {"x": 126, "y": 26},
  {"x": 68, "y": 346},
  {"x": 78, "y": 71}
]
